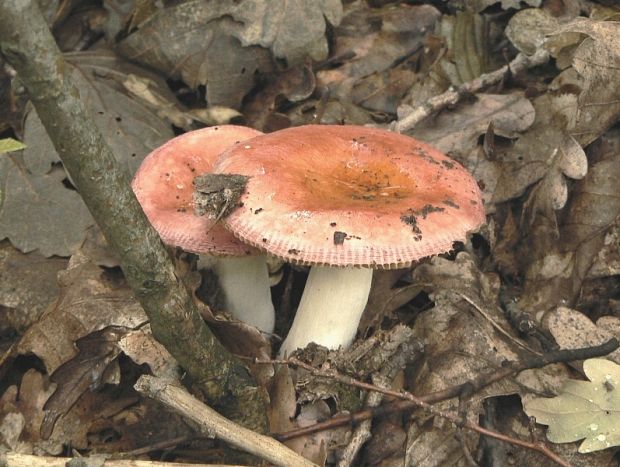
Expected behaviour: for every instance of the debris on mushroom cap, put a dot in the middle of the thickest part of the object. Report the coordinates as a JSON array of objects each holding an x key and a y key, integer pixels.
[
  {"x": 163, "y": 186},
  {"x": 350, "y": 195}
]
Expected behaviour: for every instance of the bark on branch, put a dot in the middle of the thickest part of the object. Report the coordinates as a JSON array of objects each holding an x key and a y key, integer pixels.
[{"x": 27, "y": 45}]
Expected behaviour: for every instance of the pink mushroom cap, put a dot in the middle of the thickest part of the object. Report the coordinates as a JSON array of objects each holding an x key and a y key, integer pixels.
[
  {"x": 163, "y": 186},
  {"x": 350, "y": 196}
]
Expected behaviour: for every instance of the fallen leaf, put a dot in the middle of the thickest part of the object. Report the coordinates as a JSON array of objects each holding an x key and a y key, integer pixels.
[
  {"x": 27, "y": 285},
  {"x": 465, "y": 335},
  {"x": 85, "y": 371},
  {"x": 466, "y": 36},
  {"x": 583, "y": 409},
  {"x": 132, "y": 127},
  {"x": 479, "y": 5},
  {"x": 597, "y": 60},
  {"x": 528, "y": 29},
  {"x": 375, "y": 40},
  {"x": 88, "y": 302},
  {"x": 572, "y": 329},
  {"x": 457, "y": 131},
  {"x": 141, "y": 347},
  {"x": 385, "y": 298},
  {"x": 39, "y": 212},
  {"x": 230, "y": 41},
  {"x": 10, "y": 145},
  {"x": 555, "y": 270}
]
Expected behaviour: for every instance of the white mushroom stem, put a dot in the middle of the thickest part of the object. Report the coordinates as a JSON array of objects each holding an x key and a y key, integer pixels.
[
  {"x": 330, "y": 309},
  {"x": 247, "y": 294}
]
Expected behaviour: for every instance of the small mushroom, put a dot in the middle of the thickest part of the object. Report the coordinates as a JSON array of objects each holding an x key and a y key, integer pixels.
[
  {"x": 347, "y": 200},
  {"x": 163, "y": 186}
]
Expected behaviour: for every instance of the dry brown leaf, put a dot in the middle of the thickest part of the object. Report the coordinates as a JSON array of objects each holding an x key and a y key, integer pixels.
[
  {"x": 466, "y": 37},
  {"x": 88, "y": 370},
  {"x": 378, "y": 39},
  {"x": 528, "y": 29},
  {"x": 480, "y": 5},
  {"x": 22, "y": 412},
  {"x": 572, "y": 329},
  {"x": 387, "y": 442},
  {"x": 450, "y": 359},
  {"x": 457, "y": 132},
  {"x": 597, "y": 60},
  {"x": 556, "y": 269},
  {"x": 89, "y": 301},
  {"x": 385, "y": 298},
  {"x": 542, "y": 151},
  {"x": 141, "y": 347},
  {"x": 229, "y": 41},
  {"x": 293, "y": 85},
  {"x": 27, "y": 285},
  {"x": 607, "y": 261}
]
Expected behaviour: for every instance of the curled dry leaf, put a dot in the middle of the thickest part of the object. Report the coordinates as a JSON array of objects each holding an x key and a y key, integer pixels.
[
  {"x": 466, "y": 36},
  {"x": 456, "y": 132},
  {"x": 88, "y": 370},
  {"x": 89, "y": 301},
  {"x": 386, "y": 297},
  {"x": 546, "y": 150},
  {"x": 597, "y": 60}
]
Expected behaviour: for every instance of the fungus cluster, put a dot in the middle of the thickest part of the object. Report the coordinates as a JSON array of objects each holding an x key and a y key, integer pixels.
[{"x": 344, "y": 200}]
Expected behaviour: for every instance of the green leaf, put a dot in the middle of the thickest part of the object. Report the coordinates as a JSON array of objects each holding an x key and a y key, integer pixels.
[
  {"x": 584, "y": 409},
  {"x": 10, "y": 145}
]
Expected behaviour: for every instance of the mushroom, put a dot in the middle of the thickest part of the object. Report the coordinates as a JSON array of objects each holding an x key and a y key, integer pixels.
[
  {"x": 347, "y": 200},
  {"x": 163, "y": 186}
]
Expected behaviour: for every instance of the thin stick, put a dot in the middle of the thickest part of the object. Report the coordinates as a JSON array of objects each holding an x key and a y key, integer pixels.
[
  {"x": 452, "y": 95},
  {"x": 424, "y": 402},
  {"x": 14, "y": 459},
  {"x": 215, "y": 425},
  {"x": 482, "y": 381}
]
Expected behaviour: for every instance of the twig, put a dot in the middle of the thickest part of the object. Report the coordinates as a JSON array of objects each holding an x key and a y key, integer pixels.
[
  {"x": 402, "y": 355},
  {"x": 14, "y": 459},
  {"x": 215, "y": 425},
  {"x": 452, "y": 95},
  {"x": 455, "y": 391},
  {"x": 166, "y": 444},
  {"x": 411, "y": 401}
]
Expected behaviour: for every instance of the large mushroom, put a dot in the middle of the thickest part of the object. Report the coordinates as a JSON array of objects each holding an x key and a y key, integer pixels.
[
  {"x": 347, "y": 200},
  {"x": 163, "y": 186}
]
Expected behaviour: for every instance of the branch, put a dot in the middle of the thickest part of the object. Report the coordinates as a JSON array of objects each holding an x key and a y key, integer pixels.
[
  {"x": 452, "y": 95},
  {"x": 14, "y": 459},
  {"x": 28, "y": 46},
  {"x": 214, "y": 425}
]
